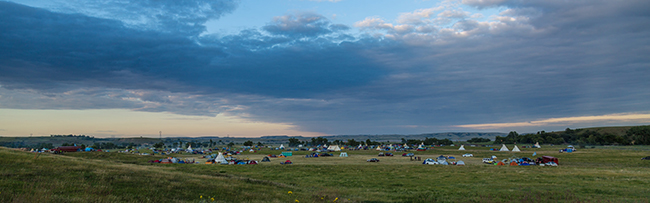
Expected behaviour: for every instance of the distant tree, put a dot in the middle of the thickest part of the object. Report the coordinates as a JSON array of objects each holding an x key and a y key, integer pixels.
[
  {"x": 231, "y": 144},
  {"x": 352, "y": 142},
  {"x": 293, "y": 142},
  {"x": 159, "y": 145},
  {"x": 259, "y": 144},
  {"x": 248, "y": 143},
  {"x": 639, "y": 134}
]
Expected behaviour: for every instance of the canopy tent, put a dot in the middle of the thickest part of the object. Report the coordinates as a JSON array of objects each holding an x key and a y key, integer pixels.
[
  {"x": 516, "y": 149},
  {"x": 220, "y": 159},
  {"x": 334, "y": 148},
  {"x": 504, "y": 148},
  {"x": 462, "y": 147},
  {"x": 343, "y": 154}
]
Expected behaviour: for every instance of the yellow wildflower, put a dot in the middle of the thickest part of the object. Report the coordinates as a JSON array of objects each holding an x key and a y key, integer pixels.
[
  {"x": 297, "y": 200},
  {"x": 290, "y": 192},
  {"x": 201, "y": 197}
]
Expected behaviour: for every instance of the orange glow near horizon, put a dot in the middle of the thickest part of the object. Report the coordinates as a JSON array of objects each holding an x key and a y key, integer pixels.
[
  {"x": 127, "y": 123},
  {"x": 563, "y": 121}
]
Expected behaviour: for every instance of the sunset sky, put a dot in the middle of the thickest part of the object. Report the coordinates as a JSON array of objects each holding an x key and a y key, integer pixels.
[{"x": 125, "y": 68}]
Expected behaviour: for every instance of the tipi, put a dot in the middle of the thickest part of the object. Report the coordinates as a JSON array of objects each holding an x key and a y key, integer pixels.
[
  {"x": 281, "y": 146},
  {"x": 516, "y": 149},
  {"x": 378, "y": 148},
  {"x": 220, "y": 159},
  {"x": 462, "y": 147},
  {"x": 504, "y": 148},
  {"x": 537, "y": 145}
]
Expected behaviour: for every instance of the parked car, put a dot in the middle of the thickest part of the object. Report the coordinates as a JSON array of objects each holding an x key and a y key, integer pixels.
[
  {"x": 488, "y": 161},
  {"x": 468, "y": 155},
  {"x": 381, "y": 154},
  {"x": 373, "y": 160},
  {"x": 388, "y": 154},
  {"x": 430, "y": 162}
]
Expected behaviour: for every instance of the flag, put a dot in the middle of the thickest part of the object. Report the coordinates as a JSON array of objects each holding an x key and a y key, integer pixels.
[{"x": 534, "y": 153}]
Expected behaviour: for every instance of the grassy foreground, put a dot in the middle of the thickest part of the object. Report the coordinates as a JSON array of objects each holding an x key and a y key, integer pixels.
[{"x": 613, "y": 174}]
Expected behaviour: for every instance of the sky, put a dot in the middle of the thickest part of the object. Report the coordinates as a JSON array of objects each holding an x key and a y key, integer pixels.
[{"x": 124, "y": 68}]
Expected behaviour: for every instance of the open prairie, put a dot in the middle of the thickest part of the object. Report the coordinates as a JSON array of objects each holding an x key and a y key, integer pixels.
[{"x": 602, "y": 174}]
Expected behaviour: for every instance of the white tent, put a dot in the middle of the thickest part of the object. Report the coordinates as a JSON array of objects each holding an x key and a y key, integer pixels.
[
  {"x": 504, "y": 148},
  {"x": 251, "y": 150},
  {"x": 343, "y": 154},
  {"x": 334, "y": 148},
  {"x": 360, "y": 146},
  {"x": 462, "y": 147},
  {"x": 537, "y": 145},
  {"x": 516, "y": 149},
  {"x": 281, "y": 146},
  {"x": 378, "y": 148},
  {"x": 220, "y": 159},
  {"x": 189, "y": 148}
]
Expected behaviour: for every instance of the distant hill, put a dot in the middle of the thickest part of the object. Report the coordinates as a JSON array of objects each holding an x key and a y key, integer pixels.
[{"x": 615, "y": 130}]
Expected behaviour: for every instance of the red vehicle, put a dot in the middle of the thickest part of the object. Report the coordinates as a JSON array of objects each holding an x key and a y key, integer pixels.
[{"x": 546, "y": 159}]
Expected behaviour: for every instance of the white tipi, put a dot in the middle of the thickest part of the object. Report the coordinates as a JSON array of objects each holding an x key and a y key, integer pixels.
[
  {"x": 537, "y": 145},
  {"x": 378, "y": 148},
  {"x": 462, "y": 147},
  {"x": 504, "y": 148},
  {"x": 220, "y": 159},
  {"x": 516, "y": 149},
  {"x": 281, "y": 146}
]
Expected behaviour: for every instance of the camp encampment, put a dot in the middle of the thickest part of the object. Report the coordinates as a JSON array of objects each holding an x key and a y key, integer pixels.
[
  {"x": 462, "y": 147},
  {"x": 516, "y": 149},
  {"x": 504, "y": 148}
]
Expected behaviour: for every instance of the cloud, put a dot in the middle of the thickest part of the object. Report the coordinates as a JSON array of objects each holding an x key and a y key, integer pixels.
[
  {"x": 185, "y": 17},
  {"x": 302, "y": 25},
  {"x": 425, "y": 71},
  {"x": 484, "y": 3}
]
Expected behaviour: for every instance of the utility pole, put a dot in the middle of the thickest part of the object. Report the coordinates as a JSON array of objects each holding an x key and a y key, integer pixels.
[{"x": 160, "y": 134}]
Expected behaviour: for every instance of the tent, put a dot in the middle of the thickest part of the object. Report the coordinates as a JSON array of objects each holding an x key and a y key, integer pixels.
[
  {"x": 462, "y": 147},
  {"x": 504, "y": 148},
  {"x": 286, "y": 154},
  {"x": 378, "y": 148},
  {"x": 166, "y": 161},
  {"x": 266, "y": 159},
  {"x": 513, "y": 163},
  {"x": 516, "y": 149},
  {"x": 460, "y": 163},
  {"x": 220, "y": 159},
  {"x": 189, "y": 148},
  {"x": 281, "y": 146},
  {"x": 537, "y": 145},
  {"x": 343, "y": 154},
  {"x": 501, "y": 163},
  {"x": 334, "y": 148},
  {"x": 251, "y": 151}
]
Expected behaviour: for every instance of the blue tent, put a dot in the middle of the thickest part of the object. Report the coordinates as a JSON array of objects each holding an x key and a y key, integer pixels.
[{"x": 89, "y": 149}]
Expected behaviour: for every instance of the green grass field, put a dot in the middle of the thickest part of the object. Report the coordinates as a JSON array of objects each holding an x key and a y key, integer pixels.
[{"x": 604, "y": 174}]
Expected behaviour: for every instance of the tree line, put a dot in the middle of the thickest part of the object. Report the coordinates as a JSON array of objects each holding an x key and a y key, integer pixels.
[{"x": 638, "y": 135}]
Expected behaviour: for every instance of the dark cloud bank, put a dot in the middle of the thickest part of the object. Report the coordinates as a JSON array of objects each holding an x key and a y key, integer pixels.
[{"x": 562, "y": 59}]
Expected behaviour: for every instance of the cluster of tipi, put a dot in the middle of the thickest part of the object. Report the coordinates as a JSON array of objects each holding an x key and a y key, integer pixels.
[{"x": 505, "y": 149}]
